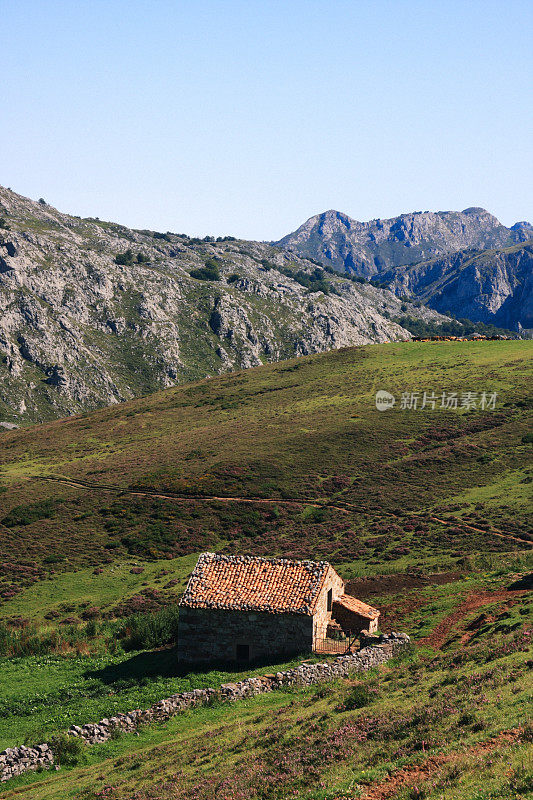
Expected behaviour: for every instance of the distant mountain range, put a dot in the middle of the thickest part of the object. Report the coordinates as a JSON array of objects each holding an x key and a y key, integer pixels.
[
  {"x": 93, "y": 313},
  {"x": 465, "y": 263}
]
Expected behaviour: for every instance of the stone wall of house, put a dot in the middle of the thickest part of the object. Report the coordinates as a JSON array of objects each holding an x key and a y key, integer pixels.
[
  {"x": 17, "y": 760},
  {"x": 211, "y": 635},
  {"x": 322, "y": 615}
]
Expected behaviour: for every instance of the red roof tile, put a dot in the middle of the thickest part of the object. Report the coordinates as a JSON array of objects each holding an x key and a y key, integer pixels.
[
  {"x": 253, "y": 583},
  {"x": 357, "y": 606}
]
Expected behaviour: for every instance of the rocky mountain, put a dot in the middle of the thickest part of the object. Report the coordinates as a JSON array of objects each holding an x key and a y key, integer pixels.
[
  {"x": 93, "y": 313},
  {"x": 371, "y": 248},
  {"x": 493, "y": 286}
]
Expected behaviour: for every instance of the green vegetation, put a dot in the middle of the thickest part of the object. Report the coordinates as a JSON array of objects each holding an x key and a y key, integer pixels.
[
  {"x": 210, "y": 272},
  {"x": 325, "y": 474},
  {"x": 464, "y": 731},
  {"x": 433, "y": 501},
  {"x": 313, "y": 281},
  {"x": 461, "y": 327},
  {"x": 127, "y": 258}
]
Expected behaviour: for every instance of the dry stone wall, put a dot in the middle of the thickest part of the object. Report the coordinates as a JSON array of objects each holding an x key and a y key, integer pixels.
[{"x": 16, "y": 760}]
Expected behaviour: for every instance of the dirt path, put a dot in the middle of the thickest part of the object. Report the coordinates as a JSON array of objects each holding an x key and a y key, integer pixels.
[
  {"x": 347, "y": 508},
  {"x": 79, "y": 484},
  {"x": 476, "y": 600},
  {"x": 416, "y": 774},
  {"x": 492, "y": 532}
]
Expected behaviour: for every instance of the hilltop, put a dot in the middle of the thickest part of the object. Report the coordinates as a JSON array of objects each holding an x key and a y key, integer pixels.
[
  {"x": 93, "y": 313},
  {"x": 463, "y": 263}
]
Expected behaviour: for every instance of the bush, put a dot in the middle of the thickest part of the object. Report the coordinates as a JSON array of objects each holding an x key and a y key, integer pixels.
[
  {"x": 125, "y": 258},
  {"x": 359, "y": 697},
  {"x": 146, "y": 631},
  {"x": 67, "y": 750},
  {"x": 209, "y": 272}
]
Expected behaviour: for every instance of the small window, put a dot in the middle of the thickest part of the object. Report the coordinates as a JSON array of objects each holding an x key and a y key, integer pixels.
[
  {"x": 330, "y": 599},
  {"x": 243, "y": 652}
]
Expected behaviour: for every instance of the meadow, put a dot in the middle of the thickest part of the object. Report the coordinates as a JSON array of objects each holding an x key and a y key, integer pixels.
[
  {"x": 102, "y": 517},
  {"x": 448, "y": 720}
]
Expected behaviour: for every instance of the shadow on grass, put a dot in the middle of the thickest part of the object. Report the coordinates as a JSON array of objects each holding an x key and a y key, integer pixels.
[{"x": 147, "y": 665}]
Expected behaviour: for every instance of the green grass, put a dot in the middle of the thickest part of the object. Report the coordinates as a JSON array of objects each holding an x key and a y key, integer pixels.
[
  {"x": 43, "y": 695},
  {"x": 318, "y": 742},
  {"x": 302, "y": 430},
  {"x": 115, "y": 583}
]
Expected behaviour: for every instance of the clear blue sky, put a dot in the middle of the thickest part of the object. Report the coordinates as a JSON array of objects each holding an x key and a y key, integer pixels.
[{"x": 246, "y": 117}]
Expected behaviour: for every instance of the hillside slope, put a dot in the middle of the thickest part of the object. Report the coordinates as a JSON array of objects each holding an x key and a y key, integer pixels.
[
  {"x": 79, "y": 330},
  {"x": 463, "y": 734},
  {"x": 494, "y": 286},
  {"x": 290, "y": 459}
]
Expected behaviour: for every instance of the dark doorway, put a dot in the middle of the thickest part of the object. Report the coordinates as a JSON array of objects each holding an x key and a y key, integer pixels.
[{"x": 243, "y": 652}]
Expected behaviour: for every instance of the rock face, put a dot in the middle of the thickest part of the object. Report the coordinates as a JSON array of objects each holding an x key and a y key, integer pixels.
[
  {"x": 493, "y": 286},
  {"x": 467, "y": 263},
  {"x": 371, "y": 248},
  {"x": 80, "y": 328}
]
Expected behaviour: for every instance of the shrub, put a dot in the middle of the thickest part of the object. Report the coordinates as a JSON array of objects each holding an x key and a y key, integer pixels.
[
  {"x": 359, "y": 697},
  {"x": 125, "y": 258},
  {"x": 234, "y": 277},
  {"x": 528, "y": 438},
  {"x": 145, "y": 631},
  {"x": 67, "y": 750},
  {"x": 25, "y": 515},
  {"x": 209, "y": 272}
]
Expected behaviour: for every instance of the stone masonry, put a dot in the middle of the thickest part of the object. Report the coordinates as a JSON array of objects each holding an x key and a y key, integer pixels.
[{"x": 17, "y": 760}]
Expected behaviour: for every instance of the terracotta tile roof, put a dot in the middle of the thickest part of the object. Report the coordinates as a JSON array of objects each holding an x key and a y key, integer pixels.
[
  {"x": 253, "y": 583},
  {"x": 357, "y": 606}
]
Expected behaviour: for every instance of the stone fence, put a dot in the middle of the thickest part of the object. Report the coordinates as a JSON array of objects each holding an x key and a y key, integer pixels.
[{"x": 377, "y": 650}]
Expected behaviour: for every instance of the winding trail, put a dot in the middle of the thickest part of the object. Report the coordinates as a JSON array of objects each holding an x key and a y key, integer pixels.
[
  {"x": 79, "y": 484},
  {"x": 345, "y": 508}
]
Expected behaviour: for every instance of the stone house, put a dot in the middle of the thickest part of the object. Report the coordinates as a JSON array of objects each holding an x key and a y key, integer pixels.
[{"x": 249, "y": 608}]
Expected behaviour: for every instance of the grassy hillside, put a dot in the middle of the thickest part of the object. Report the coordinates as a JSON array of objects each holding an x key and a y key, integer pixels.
[
  {"x": 424, "y": 512},
  {"x": 290, "y": 458},
  {"x": 464, "y": 733}
]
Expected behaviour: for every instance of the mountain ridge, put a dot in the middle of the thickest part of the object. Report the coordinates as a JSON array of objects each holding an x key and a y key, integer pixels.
[
  {"x": 93, "y": 313},
  {"x": 413, "y": 237},
  {"x": 388, "y": 250}
]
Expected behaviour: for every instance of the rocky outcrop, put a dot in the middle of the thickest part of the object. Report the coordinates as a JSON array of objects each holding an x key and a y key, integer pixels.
[
  {"x": 464, "y": 263},
  {"x": 372, "y": 248},
  {"x": 494, "y": 286},
  {"x": 380, "y": 649},
  {"x": 93, "y": 313}
]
